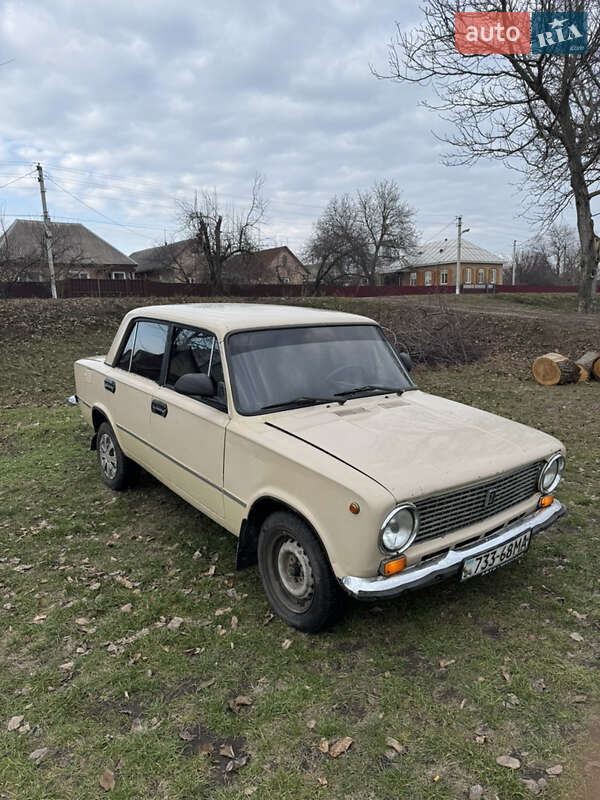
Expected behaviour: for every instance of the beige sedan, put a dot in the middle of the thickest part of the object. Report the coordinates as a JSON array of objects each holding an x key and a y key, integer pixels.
[{"x": 301, "y": 432}]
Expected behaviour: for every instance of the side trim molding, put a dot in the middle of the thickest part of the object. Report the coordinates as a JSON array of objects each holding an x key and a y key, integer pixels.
[{"x": 183, "y": 466}]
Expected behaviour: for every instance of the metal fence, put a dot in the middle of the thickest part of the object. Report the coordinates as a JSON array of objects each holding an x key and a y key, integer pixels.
[{"x": 86, "y": 287}]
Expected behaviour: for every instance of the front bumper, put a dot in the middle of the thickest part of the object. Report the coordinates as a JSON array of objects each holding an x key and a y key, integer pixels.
[{"x": 450, "y": 563}]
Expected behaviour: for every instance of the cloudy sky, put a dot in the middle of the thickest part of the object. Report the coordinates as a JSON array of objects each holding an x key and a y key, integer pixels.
[{"x": 130, "y": 106}]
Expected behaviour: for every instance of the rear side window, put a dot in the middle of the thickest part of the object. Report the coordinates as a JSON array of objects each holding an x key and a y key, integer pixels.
[{"x": 144, "y": 349}]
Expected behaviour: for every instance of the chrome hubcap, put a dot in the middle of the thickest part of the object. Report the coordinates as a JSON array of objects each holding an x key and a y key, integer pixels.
[
  {"x": 295, "y": 572},
  {"x": 108, "y": 456}
]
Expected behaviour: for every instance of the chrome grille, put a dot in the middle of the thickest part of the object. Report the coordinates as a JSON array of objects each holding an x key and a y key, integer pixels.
[{"x": 455, "y": 510}]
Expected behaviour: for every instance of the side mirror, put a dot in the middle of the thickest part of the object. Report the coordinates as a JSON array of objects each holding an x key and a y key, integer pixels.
[
  {"x": 406, "y": 361},
  {"x": 196, "y": 384}
]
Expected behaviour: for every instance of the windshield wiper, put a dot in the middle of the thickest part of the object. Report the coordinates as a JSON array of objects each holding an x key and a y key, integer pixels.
[
  {"x": 303, "y": 400},
  {"x": 370, "y": 388}
]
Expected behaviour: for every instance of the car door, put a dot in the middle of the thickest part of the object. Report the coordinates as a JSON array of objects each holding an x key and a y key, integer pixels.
[
  {"x": 189, "y": 432},
  {"x": 132, "y": 382}
]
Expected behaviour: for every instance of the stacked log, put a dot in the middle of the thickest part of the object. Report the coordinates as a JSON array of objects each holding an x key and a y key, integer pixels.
[{"x": 553, "y": 369}]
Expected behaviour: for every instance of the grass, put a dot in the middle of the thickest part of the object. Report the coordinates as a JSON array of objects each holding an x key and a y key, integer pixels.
[{"x": 101, "y": 687}]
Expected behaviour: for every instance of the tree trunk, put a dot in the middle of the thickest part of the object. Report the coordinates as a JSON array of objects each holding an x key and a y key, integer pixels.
[
  {"x": 588, "y": 361},
  {"x": 585, "y": 226},
  {"x": 553, "y": 368}
]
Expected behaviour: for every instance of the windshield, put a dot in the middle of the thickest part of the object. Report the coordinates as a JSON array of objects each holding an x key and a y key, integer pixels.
[{"x": 287, "y": 367}]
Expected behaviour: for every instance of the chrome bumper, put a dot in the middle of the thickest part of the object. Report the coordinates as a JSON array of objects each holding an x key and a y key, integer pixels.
[{"x": 445, "y": 566}]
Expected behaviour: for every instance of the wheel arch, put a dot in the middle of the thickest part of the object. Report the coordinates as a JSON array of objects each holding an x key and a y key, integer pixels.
[
  {"x": 100, "y": 415},
  {"x": 261, "y": 508}
]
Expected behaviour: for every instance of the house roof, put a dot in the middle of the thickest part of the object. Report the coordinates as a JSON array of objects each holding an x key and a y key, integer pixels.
[
  {"x": 445, "y": 252},
  {"x": 263, "y": 258},
  {"x": 156, "y": 258},
  {"x": 74, "y": 241}
]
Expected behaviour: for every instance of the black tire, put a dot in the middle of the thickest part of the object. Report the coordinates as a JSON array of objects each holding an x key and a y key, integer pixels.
[
  {"x": 116, "y": 470},
  {"x": 296, "y": 574}
]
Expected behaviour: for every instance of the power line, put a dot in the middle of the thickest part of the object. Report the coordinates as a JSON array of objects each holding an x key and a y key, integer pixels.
[
  {"x": 95, "y": 210},
  {"x": 20, "y": 178}
]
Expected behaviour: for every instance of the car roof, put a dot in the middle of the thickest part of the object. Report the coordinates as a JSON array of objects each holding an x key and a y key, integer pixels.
[{"x": 223, "y": 318}]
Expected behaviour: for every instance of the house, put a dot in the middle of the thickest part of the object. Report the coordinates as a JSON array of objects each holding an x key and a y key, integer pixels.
[
  {"x": 434, "y": 264},
  {"x": 77, "y": 251},
  {"x": 176, "y": 262},
  {"x": 182, "y": 262}
]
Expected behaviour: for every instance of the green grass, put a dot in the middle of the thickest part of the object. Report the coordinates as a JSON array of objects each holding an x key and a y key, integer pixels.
[{"x": 135, "y": 687}]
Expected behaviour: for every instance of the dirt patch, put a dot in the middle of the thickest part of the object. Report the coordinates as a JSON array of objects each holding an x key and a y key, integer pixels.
[
  {"x": 591, "y": 764},
  {"x": 227, "y": 755}
]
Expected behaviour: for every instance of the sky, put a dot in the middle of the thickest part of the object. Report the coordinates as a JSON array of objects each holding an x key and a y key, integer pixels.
[{"x": 132, "y": 107}]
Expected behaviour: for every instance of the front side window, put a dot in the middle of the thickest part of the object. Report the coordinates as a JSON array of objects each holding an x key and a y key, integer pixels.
[
  {"x": 493, "y": 277},
  {"x": 481, "y": 276},
  {"x": 148, "y": 349},
  {"x": 290, "y": 367},
  {"x": 444, "y": 277},
  {"x": 413, "y": 278},
  {"x": 196, "y": 351},
  {"x": 468, "y": 276},
  {"x": 428, "y": 279}
]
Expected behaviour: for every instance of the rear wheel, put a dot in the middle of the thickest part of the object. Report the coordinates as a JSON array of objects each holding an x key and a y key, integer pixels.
[
  {"x": 296, "y": 574},
  {"x": 116, "y": 470}
]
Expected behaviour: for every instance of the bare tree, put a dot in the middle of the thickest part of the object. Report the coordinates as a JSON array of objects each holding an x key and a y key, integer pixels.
[
  {"x": 222, "y": 234},
  {"x": 387, "y": 226},
  {"x": 540, "y": 113},
  {"x": 16, "y": 264},
  {"x": 337, "y": 243},
  {"x": 562, "y": 246}
]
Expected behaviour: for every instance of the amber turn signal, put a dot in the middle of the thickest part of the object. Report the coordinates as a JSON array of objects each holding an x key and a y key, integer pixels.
[
  {"x": 546, "y": 501},
  {"x": 392, "y": 567},
  {"x": 354, "y": 508}
]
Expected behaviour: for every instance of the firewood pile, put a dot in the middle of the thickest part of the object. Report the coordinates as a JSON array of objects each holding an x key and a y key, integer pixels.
[{"x": 553, "y": 369}]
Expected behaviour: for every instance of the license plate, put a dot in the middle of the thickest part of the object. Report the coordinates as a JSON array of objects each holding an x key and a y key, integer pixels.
[{"x": 488, "y": 562}]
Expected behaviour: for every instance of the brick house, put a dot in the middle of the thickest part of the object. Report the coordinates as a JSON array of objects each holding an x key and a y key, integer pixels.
[
  {"x": 434, "y": 264},
  {"x": 78, "y": 253},
  {"x": 181, "y": 262}
]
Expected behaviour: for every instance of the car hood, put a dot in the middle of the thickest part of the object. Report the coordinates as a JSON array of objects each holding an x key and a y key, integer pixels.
[{"x": 417, "y": 444}]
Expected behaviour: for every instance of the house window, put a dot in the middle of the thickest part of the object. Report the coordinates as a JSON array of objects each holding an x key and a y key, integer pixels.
[
  {"x": 481, "y": 276},
  {"x": 444, "y": 277},
  {"x": 82, "y": 275},
  {"x": 493, "y": 277},
  {"x": 118, "y": 276},
  {"x": 468, "y": 275},
  {"x": 428, "y": 279},
  {"x": 413, "y": 278}
]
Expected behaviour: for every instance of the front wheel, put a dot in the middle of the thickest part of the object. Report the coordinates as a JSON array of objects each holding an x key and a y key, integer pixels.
[
  {"x": 296, "y": 574},
  {"x": 116, "y": 470}
]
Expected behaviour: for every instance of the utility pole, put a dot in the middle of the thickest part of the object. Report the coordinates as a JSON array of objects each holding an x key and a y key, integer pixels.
[
  {"x": 514, "y": 264},
  {"x": 47, "y": 232},
  {"x": 458, "y": 246}
]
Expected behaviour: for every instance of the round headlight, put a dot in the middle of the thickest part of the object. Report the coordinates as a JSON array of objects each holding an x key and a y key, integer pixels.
[
  {"x": 552, "y": 473},
  {"x": 399, "y": 528}
]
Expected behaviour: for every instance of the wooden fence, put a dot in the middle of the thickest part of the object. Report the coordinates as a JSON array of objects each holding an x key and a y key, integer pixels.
[{"x": 84, "y": 287}]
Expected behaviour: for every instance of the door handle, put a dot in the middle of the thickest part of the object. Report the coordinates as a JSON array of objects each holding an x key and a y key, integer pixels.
[
  {"x": 109, "y": 385},
  {"x": 159, "y": 408}
]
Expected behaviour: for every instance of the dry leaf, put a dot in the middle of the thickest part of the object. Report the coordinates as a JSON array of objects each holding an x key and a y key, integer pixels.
[
  {"x": 38, "y": 618},
  {"x": 324, "y": 746},
  {"x": 126, "y": 608},
  {"x": 577, "y": 615},
  {"x": 580, "y": 698},
  {"x": 234, "y": 622},
  {"x": 226, "y": 750},
  {"x": 286, "y": 644},
  {"x": 512, "y": 700},
  {"x": 508, "y": 761},
  {"x": 211, "y": 571},
  {"x": 339, "y": 747},
  {"x": 39, "y": 755},
  {"x": 539, "y": 684},
  {"x": 395, "y": 744},
  {"x": 136, "y": 725},
  {"x": 577, "y": 637},
  {"x": 187, "y": 736},
  {"x": 82, "y": 621},
  {"x": 206, "y": 684},
  {"x": 107, "y": 780},
  {"x": 93, "y": 587},
  {"x": 311, "y": 724},
  {"x": 175, "y": 623},
  {"x": 446, "y": 662},
  {"x": 554, "y": 771},
  {"x": 14, "y": 723},
  {"x": 220, "y": 611},
  {"x": 506, "y": 675},
  {"x": 322, "y": 781}
]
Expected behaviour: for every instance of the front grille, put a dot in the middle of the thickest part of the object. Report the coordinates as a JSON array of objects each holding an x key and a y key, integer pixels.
[{"x": 455, "y": 510}]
